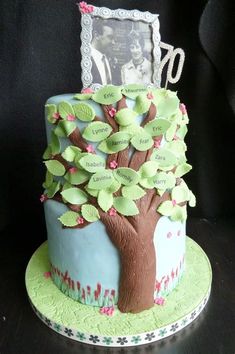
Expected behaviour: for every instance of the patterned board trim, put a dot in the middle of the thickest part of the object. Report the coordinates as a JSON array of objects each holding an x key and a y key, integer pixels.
[{"x": 129, "y": 340}]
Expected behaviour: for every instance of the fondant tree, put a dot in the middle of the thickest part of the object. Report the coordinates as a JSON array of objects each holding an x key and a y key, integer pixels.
[{"x": 122, "y": 173}]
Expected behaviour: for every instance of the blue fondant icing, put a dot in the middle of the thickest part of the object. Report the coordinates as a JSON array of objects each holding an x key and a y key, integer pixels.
[{"x": 88, "y": 254}]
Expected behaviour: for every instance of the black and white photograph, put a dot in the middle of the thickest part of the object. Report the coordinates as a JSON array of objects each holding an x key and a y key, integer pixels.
[{"x": 121, "y": 52}]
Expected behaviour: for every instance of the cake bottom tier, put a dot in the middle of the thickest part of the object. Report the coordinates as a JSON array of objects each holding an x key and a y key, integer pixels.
[{"x": 86, "y": 324}]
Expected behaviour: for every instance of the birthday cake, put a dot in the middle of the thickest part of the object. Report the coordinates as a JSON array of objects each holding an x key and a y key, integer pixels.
[
  {"x": 115, "y": 199},
  {"x": 117, "y": 268}
]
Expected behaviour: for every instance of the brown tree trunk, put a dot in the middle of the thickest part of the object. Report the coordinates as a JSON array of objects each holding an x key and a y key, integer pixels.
[{"x": 138, "y": 273}]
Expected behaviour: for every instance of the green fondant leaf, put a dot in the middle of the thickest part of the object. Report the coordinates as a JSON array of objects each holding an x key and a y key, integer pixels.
[
  {"x": 134, "y": 90},
  {"x": 69, "y": 218},
  {"x": 171, "y": 132},
  {"x": 192, "y": 199},
  {"x": 164, "y": 180},
  {"x": 84, "y": 112},
  {"x": 70, "y": 153},
  {"x": 125, "y": 206},
  {"x": 167, "y": 106},
  {"x": 114, "y": 187},
  {"x": 55, "y": 144},
  {"x": 48, "y": 181},
  {"x": 65, "y": 108},
  {"x": 182, "y": 169},
  {"x": 101, "y": 180},
  {"x": 148, "y": 169},
  {"x": 180, "y": 194},
  {"x": 97, "y": 131},
  {"x": 164, "y": 157},
  {"x": 131, "y": 129},
  {"x": 64, "y": 128},
  {"x": 74, "y": 196},
  {"x": 78, "y": 177},
  {"x": 93, "y": 192},
  {"x": 142, "y": 103},
  {"x": 177, "y": 147},
  {"x": 142, "y": 141},
  {"x": 50, "y": 110},
  {"x": 66, "y": 185},
  {"x": 166, "y": 208},
  {"x": 47, "y": 153},
  {"x": 53, "y": 189},
  {"x": 82, "y": 96},
  {"x": 118, "y": 141},
  {"x": 147, "y": 182},
  {"x": 133, "y": 192},
  {"x": 157, "y": 127},
  {"x": 108, "y": 95},
  {"x": 125, "y": 116},
  {"x": 105, "y": 200},
  {"x": 182, "y": 131},
  {"x": 55, "y": 167},
  {"x": 104, "y": 147},
  {"x": 90, "y": 213},
  {"x": 126, "y": 176},
  {"x": 179, "y": 213},
  {"x": 92, "y": 163}
]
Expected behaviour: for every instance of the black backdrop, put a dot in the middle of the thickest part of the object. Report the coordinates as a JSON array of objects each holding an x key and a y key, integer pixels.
[{"x": 40, "y": 51}]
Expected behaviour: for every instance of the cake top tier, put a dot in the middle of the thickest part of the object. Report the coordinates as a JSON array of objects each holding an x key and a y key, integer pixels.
[{"x": 110, "y": 148}]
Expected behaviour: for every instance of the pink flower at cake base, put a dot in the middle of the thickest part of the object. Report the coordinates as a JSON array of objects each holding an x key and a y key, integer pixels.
[
  {"x": 47, "y": 275},
  {"x": 174, "y": 202},
  {"x": 112, "y": 112},
  {"x": 112, "y": 212},
  {"x": 159, "y": 301},
  {"x": 113, "y": 164},
  {"x": 108, "y": 311}
]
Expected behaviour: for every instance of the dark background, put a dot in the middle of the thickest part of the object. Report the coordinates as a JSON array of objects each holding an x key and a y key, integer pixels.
[{"x": 40, "y": 57}]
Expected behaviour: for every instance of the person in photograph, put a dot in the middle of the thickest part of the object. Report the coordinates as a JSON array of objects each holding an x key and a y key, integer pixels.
[
  {"x": 101, "y": 46},
  {"x": 139, "y": 69}
]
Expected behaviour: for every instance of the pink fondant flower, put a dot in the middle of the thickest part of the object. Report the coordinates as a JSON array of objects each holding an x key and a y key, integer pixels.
[
  {"x": 43, "y": 198},
  {"x": 106, "y": 292},
  {"x": 71, "y": 117},
  {"x": 183, "y": 108},
  {"x": 56, "y": 115},
  {"x": 85, "y": 8},
  {"x": 47, "y": 275},
  {"x": 150, "y": 95},
  {"x": 90, "y": 149},
  {"x": 112, "y": 112},
  {"x": 87, "y": 90},
  {"x": 113, "y": 164},
  {"x": 176, "y": 137},
  {"x": 80, "y": 220},
  {"x": 108, "y": 311},
  {"x": 159, "y": 301},
  {"x": 72, "y": 170},
  {"x": 112, "y": 212},
  {"x": 169, "y": 235},
  {"x": 157, "y": 142},
  {"x": 174, "y": 202}
]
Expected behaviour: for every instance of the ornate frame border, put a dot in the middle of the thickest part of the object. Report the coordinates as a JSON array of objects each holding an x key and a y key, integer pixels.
[{"x": 89, "y": 11}]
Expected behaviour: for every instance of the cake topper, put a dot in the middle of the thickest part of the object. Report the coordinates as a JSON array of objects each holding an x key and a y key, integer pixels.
[{"x": 123, "y": 47}]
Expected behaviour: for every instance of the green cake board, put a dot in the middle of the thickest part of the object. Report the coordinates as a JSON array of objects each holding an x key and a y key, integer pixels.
[{"x": 85, "y": 324}]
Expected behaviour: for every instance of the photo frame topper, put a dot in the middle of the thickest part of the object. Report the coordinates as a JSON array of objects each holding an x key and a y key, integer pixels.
[{"x": 123, "y": 47}]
